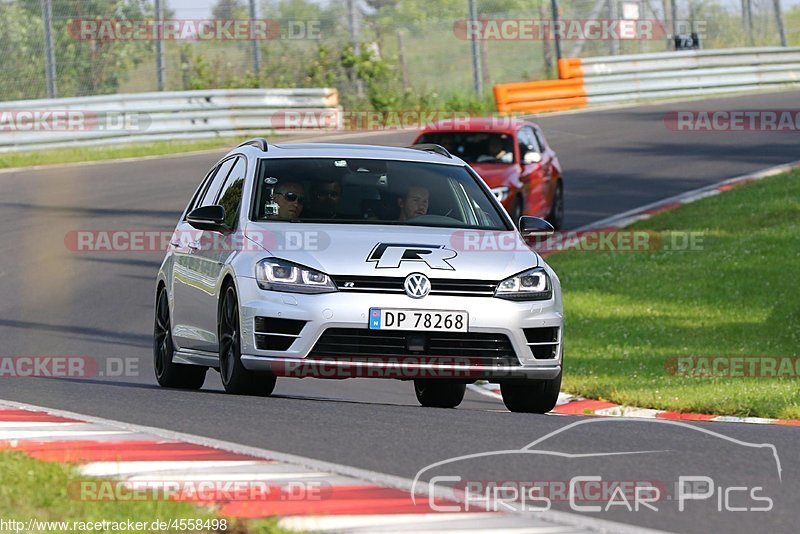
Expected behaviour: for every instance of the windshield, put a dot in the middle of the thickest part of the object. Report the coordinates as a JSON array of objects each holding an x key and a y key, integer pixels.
[
  {"x": 474, "y": 147},
  {"x": 369, "y": 191}
]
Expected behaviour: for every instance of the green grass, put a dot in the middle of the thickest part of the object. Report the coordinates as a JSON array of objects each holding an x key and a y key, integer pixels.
[
  {"x": 627, "y": 313},
  {"x": 32, "y": 489},
  {"x": 132, "y": 150}
]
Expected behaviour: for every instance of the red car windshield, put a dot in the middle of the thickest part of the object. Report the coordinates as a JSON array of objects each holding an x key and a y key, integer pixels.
[{"x": 474, "y": 147}]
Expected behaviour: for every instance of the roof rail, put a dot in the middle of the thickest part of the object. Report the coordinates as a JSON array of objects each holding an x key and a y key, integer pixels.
[
  {"x": 432, "y": 147},
  {"x": 258, "y": 142}
]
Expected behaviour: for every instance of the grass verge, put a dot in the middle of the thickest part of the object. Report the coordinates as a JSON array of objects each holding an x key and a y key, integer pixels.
[
  {"x": 629, "y": 315},
  {"x": 45, "y": 491},
  {"x": 100, "y": 153}
]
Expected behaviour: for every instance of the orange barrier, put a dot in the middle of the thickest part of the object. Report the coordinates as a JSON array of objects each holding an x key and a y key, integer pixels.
[
  {"x": 570, "y": 67},
  {"x": 567, "y": 92}
]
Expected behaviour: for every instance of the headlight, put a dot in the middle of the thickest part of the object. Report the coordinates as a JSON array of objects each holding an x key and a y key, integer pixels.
[
  {"x": 500, "y": 193},
  {"x": 282, "y": 275},
  {"x": 533, "y": 284}
]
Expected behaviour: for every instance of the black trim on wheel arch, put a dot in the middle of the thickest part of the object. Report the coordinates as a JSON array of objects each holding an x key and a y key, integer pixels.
[
  {"x": 169, "y": 374},
  {"x": 235, "y": 378}
]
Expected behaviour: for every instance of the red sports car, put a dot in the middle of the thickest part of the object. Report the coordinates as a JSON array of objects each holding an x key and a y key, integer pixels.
[{"x": 513, "y": 158}]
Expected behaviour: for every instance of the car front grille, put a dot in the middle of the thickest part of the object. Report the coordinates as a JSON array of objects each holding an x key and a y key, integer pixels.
[
  {"x": 392, "y": 284},
  {"x": 543, "y": 342},
  {"x": 474, "y": 348},
  {"x": 272, "y": 333}
]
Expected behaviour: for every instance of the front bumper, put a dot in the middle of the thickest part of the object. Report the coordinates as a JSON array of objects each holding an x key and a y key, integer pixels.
[{"x": 351, "y": 310}]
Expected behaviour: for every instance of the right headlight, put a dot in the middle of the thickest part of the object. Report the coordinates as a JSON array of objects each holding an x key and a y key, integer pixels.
[
  {"x": 533, "y": 284},
  {"x": 282, "y": 275}
]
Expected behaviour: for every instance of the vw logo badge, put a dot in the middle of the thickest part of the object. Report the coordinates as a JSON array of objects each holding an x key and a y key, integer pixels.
[{"x": 417, "y": 285}]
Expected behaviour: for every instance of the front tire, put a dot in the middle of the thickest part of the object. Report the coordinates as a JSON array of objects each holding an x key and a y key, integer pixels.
[
  {"x": 168, "y": 374},
  {"x": 235, "y": 378},
  {"x": 439, "y": 394},
  {"x": 532, "y": 396}
]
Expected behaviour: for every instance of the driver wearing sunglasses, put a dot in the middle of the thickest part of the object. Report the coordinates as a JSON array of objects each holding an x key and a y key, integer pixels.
[{"x": 290, "y": 197}]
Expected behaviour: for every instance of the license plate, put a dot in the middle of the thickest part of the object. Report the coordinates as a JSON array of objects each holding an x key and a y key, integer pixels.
[{"x": 425, "y": 320}]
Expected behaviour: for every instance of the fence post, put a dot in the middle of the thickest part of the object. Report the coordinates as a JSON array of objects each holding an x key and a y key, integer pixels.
[
  {"x": 49, "y": 53},
  {"x": 477, "y": 79},
  {"x": 254, "y": 35},
  {"x": 779, "y": 20},
  {"x": 159, "y": 45}
]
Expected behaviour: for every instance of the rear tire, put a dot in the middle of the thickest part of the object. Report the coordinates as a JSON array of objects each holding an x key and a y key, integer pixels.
[
  {"x": 532, "y": 396},
  {"x": 439, "y": 394},
  {"x": 168, "y": 374},
  {"x": 235, "y": 378},
  {"x": 556, "y": 215}
]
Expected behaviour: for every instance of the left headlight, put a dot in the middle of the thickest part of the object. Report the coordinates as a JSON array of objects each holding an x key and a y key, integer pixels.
[
  {"x": 282, "y": 275},
  {"x": 533, "y": 284}
]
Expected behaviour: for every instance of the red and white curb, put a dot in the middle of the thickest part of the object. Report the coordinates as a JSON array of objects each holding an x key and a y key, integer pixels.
[
  {"x": 353, "y": 500},
  {"x": 571, "y": 405},
  {"x": 641, "y": 213}
]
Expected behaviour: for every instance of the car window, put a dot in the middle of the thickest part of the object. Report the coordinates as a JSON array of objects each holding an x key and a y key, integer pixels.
[
  {"x": 474, "y": 147},
  {"x": 540, "y": 138},
  {"x": 405, "y": 193},
  {"x": 212, "y": 191},
  {"x": 230, "y": 196},
  {"x": 527, "y": 141}
]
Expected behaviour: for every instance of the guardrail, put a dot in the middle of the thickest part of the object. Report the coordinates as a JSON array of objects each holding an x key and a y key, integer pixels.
[
  {"x": 120, "y": 118},
  {"x": 610, "y": 79}
]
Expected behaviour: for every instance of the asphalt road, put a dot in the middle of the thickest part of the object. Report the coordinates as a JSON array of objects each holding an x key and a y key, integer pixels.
[{"x": 54, "y": 301}]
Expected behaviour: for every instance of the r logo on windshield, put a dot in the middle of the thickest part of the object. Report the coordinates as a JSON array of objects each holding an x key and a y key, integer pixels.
[{"x": 390, "y": 255}]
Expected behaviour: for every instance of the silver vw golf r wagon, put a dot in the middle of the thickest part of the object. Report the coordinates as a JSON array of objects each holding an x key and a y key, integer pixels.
[{"x": 347, "y": 261}]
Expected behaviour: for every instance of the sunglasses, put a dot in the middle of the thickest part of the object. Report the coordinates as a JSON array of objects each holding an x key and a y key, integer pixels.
[{"x": 292, "y": 197}]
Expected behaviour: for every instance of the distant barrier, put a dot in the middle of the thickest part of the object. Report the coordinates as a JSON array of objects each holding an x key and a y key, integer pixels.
[
  {"x": 120, "y": 118},
  {"x": 602, "y": 80}
]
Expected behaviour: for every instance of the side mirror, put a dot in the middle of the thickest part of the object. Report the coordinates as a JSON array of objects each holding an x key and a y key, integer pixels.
[
  {"x": 210, "y": 218},
  {"x": 531, "y": 157},
  {"x": 533, "y": 228}
]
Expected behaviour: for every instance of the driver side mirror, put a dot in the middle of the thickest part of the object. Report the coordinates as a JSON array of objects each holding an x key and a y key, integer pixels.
[
  {"x": 534, "y": 228},
  {"x": 531, "y": 157},
  {"x": 211, "y": 218}
]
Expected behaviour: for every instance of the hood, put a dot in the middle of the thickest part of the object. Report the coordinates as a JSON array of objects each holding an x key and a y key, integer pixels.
[
  {"x": 377, "y": 250},
  {"x": 496, "y": 174}
]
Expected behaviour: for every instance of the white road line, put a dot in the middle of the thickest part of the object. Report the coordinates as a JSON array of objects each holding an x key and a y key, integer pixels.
[
  {"x": 8, "y": 435},
  {"x": 24, "y": 425},
  {"x": 132, "y": 468}
]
